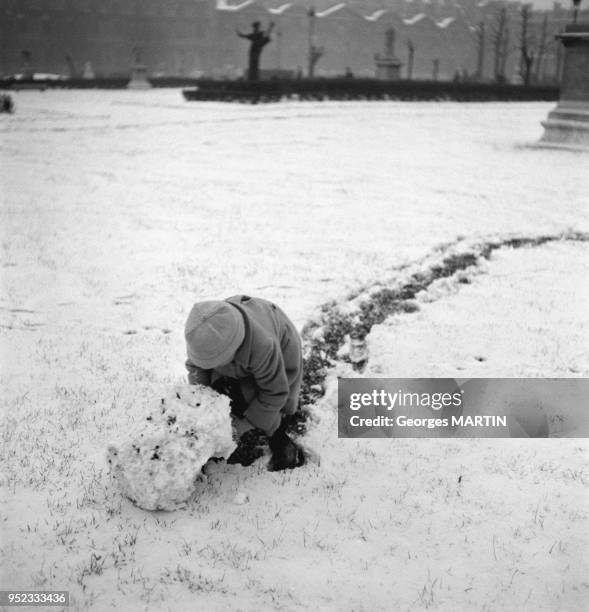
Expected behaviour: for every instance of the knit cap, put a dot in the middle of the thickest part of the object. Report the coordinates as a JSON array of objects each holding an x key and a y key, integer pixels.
[{"x": 214, "y": 331}]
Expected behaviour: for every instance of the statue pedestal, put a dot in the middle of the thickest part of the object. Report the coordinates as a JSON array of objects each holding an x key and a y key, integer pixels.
[
  {"x": 388, "y": 68},
  {"x": 568, "y": 123},
  {"x": 139, "y": 77}
]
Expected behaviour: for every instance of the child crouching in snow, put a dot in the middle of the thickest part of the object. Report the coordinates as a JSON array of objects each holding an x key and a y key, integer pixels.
[{"x": 248, "y": 349}]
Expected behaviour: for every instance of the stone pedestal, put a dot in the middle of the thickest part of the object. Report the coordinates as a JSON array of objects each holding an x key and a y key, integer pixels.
[
  {"x": 88, "y": 71},
  {"x": 568, "y": 123},
  {"x": 139, "y": 77},
  {"x": 387, "y": 68}
]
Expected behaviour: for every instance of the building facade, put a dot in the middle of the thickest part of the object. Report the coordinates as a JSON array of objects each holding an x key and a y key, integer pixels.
[{"x": 191, "y": 38}]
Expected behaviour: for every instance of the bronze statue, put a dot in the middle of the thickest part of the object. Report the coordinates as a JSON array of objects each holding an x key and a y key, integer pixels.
[{"x": 258, "y": 40}]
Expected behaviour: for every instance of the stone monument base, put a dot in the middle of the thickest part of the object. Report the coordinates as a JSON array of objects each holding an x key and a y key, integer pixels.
[
  {"x": 567, "y": 124},
  {"x": 388, "y": 68},
  {"x": 139, "y": 78}
]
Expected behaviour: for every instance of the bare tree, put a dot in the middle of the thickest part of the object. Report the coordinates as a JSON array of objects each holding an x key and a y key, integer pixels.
[
  {"x": 480, "y": 38},
  {"x": 411, "y": 52},
  {"x": 542, "y": 47},
  {"x": 315, "y": 54},
  {"x": 525, "y": 43},
  {"x": 505, "y": 51},
  {"x": 500, "y": 40},
  {"x": 435, "y": 69}
]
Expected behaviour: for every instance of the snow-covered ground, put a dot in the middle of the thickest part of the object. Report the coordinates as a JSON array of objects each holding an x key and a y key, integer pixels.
[
  {"x": 523, "y": 314},
  {"x": 120, "y": 209}
]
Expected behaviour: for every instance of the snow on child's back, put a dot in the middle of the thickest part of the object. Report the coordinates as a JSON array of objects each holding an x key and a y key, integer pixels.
[{"x": 156, "y": 464}]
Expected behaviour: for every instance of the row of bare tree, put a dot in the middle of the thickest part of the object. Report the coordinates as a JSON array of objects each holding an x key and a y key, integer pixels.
[{"x": 531, "y": 44}]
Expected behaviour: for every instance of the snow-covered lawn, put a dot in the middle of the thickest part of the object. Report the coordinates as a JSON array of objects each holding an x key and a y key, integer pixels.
[
  {"x": 120, "y": 209},
  {"x": 524, "y": 313}
]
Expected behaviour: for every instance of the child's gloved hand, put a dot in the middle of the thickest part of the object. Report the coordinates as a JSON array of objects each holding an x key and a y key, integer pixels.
[
  {"x": 286, "y": 455},
  {"x": 240, "y": 426}
]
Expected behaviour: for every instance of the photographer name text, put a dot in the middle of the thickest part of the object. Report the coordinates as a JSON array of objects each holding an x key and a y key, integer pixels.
[{"x": 404, "y": 421}]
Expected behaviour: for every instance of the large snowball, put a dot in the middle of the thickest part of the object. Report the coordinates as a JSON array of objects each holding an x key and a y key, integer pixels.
[{"x": 156, "y": 465}]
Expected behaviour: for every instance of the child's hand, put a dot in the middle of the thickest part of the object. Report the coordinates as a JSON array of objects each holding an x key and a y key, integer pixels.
[{"x": 286, "y": 454}]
